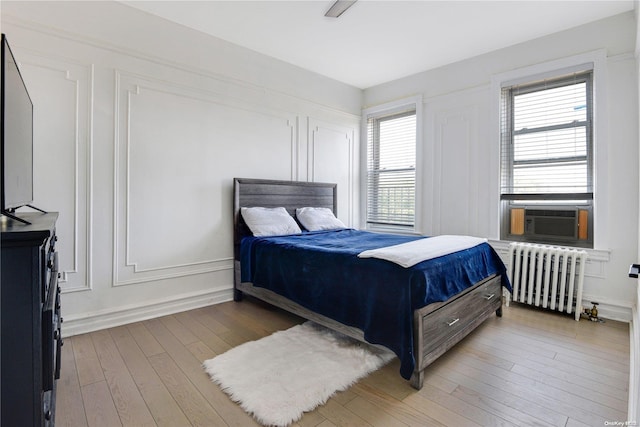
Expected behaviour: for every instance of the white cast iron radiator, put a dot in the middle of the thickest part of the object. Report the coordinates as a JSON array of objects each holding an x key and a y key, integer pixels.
[{"x": 547, "y": 276}]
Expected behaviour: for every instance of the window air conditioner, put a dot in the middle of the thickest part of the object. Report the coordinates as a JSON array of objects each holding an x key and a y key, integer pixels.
[{"x": 551, "y": 223}]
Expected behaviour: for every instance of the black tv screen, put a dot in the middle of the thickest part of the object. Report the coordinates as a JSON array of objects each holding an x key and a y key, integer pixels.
[{"x": 16, "y": 133}]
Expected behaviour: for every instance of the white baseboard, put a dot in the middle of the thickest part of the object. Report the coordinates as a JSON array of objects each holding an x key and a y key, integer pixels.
[
  {"x": 94, "y": 321},
  {"x": 606, "y": 309},
  {"x": 612, "y": 310}
]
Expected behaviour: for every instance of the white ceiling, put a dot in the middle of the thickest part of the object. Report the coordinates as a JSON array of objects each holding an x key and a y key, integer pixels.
[{"x": 378, "y": 41}]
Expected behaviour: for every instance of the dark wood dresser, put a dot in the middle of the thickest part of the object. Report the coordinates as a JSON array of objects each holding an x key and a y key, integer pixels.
[{"x": 30, "y": 321}]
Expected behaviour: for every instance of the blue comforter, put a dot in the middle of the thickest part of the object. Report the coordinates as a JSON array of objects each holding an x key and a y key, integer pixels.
[{"x": 322, "y": 272}]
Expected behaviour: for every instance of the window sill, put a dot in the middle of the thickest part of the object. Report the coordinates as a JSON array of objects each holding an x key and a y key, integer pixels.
[
  {"x": 601, "y": 255},
  {"x": 393, "y": 230}
]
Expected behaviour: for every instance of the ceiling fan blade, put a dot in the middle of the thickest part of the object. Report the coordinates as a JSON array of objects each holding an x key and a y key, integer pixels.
[{"x": 339, "y": 7}]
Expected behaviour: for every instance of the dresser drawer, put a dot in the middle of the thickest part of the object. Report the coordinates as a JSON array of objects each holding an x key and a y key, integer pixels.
[{"x": 443, "y": 325}]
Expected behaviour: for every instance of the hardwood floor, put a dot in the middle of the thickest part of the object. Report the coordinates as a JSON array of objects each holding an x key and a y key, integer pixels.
[{"x": 527, "y": 368}]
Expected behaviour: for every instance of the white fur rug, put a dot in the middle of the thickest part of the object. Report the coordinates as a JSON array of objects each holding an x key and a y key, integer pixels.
[{"x": 278, "y": 378}]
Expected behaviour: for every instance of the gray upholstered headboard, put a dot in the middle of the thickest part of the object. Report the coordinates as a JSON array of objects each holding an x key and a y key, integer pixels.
[{"x": 271, "y": 194}]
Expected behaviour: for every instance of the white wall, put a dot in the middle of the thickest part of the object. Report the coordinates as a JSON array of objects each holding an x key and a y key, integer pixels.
[
  {"x": 140, "y": 127},
  {"x": 461, "y": 152},
  {"x": 142, "y": 124}
]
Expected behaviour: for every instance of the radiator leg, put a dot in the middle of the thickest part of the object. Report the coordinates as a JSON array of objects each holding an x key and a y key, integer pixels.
[{"x": 499, "y": 312}]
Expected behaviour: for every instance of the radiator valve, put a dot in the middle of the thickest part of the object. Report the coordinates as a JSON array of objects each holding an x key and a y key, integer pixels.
[{"x": 592, "y": 312}]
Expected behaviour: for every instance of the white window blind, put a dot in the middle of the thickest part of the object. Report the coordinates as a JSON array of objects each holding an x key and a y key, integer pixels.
[
  {"x": 547, "y": 140},
  {"x": 391, "y": 169}
]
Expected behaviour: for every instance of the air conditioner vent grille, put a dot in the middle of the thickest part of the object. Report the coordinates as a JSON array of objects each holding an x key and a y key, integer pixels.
[{"x": 552, "y": 212}]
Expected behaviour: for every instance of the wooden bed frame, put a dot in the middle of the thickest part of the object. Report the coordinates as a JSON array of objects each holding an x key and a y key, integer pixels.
[{"x": 437, "y": 327}]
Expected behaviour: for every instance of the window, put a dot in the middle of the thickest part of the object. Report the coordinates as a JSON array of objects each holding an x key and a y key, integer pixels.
[
  {"x": 547, "y": 160},
  {"x": 391, "y": 168}
]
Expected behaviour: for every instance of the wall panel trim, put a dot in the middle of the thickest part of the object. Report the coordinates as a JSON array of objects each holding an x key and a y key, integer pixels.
[
  {"x": 81, "y": 75},
  {"x": 128, "y": 85},
  {"x": 242, "y": 84}
]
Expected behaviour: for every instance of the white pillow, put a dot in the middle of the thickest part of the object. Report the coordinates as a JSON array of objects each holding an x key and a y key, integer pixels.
[
  {"x": 314, "y": 219},
  {"x": 270, "y": 221}
]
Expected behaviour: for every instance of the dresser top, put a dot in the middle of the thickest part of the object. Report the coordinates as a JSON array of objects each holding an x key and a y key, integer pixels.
[{"x": 42, "y": 226}]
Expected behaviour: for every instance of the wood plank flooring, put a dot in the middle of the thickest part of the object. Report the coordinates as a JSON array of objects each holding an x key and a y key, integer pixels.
[{"x": 529, "y": 368}]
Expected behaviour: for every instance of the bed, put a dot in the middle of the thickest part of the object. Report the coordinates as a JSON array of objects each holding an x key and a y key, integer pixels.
[{"x": 369, "y": 299}]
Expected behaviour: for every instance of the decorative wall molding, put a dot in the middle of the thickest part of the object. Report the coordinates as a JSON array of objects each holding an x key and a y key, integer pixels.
[
  {"x": 466, "y": 92},
  {"x": 76, "y": 274},
  {"x": 127, "y": 81},
  {"x": 128, "y": 270},
  {"x": 328, "y": 139},
  {"x": 454, "y": 145},
  {"x": 242, "y": 85},
  {"x": 628, "y": 56}
]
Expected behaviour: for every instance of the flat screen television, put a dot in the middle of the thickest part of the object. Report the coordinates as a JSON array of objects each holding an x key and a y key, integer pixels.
[{"x": 16, "y": 137}]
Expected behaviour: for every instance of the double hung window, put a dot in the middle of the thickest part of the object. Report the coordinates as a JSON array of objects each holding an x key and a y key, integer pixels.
[
  {"x": 391, "y": 168},
  {"x": 547, "y": 160}
]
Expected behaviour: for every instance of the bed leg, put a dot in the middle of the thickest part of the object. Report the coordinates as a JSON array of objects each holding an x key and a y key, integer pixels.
[
  {"x": 417, "y": 379},
  {"x": 499, "y": 312},
  {"x": 237, "y": 295}
]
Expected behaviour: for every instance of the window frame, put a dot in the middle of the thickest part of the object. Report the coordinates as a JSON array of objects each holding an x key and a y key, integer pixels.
[
  {"x": 597, "y": 62},
  {"x": 382, "y": 111},
  {"x": 509, "y": 133}
]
